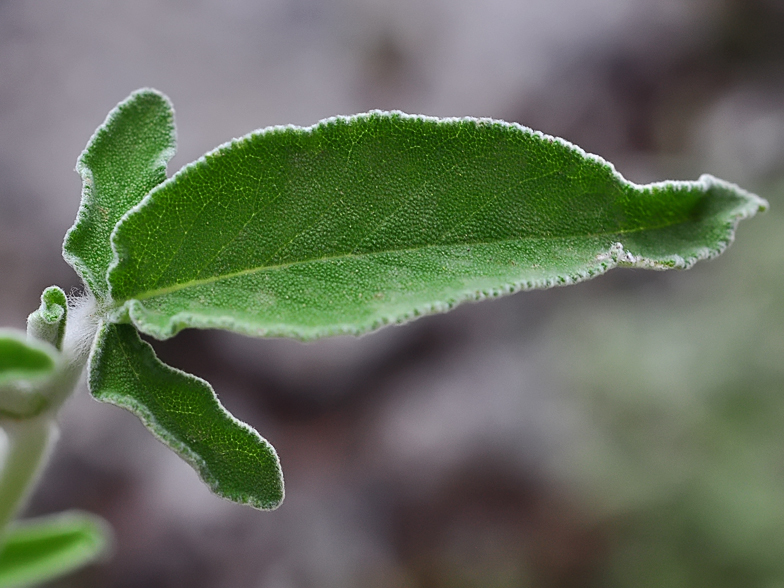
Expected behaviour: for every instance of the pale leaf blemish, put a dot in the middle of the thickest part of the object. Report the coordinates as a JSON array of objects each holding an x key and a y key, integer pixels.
[{"x": 620, "y": 256}]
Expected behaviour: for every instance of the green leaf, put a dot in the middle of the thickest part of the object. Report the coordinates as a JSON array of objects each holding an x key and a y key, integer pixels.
[
  {"x": 39, "y": 550},
  {"x": 48, "y": 322},
  {"x": 184, "y": 412},
  {"x": 374, "y": 219},
  {"x": 21, "y": 359},
  {"x": 124, "y": 160}
]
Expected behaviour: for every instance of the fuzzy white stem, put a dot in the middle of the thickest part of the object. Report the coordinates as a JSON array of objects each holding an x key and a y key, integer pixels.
[
  {"x": 30, "y": 439},
  {"x": 29, "y": 445}
]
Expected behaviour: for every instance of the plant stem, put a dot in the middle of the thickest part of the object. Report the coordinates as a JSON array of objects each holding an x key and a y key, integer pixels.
[
  {"x": 29, "y": 444},
  {"x": 31, "y": 436}
]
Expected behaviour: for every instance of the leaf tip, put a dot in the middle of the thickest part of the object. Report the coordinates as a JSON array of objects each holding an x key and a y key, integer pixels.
[{"x": 753, "y": 203}]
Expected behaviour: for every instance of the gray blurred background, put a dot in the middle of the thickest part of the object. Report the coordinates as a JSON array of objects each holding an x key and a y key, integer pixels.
[{"x": 625, "y": 432}]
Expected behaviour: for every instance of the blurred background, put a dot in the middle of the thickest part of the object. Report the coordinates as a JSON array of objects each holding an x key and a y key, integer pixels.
[{"x": 627, "y": 432}]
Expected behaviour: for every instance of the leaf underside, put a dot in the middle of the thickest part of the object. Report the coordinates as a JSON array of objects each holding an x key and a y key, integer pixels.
[
  {"x": 23, "y": 360},
  {"x": 185, "y": 414},
  {"x": 375, "y": 219},
  {"x": 124, "y": 160},
  {"x": 39, "y": 550}
]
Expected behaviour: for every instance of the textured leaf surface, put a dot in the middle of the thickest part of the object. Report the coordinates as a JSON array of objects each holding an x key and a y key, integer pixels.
[
  {"x": 125, "y": 159},
  {"x": 358, "y": 222},
  {"x": 39, "y": 550},
  {"x": 21, "y": 359},
  {"x": 183, "y": 412}
]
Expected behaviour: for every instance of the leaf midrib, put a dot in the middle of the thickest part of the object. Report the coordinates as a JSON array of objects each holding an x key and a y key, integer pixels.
[{"x": 248, "y": 271}]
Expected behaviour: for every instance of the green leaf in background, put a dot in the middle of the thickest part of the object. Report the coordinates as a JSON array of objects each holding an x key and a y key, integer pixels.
[
  {"x": 48, "y": 322},
  {"x": 184, "y": 412},
  {"x": 38, "y": 550},
  {"x": 124, "y": 160},
  {"x": 374, "y": 219},
  {"x": 21, "y": 359}
]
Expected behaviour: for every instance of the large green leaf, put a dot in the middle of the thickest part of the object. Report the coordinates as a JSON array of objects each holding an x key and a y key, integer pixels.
[
  {"x": 39, "y": 550},
  {"x": 125, "y": 159},
  {"x": 374, "y": 219},
  {"x": 24, "y": 360},
  {"x": 183, "y": 412}
]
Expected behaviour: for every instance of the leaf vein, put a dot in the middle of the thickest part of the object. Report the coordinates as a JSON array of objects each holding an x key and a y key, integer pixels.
[{"x": 265, "y": 268}]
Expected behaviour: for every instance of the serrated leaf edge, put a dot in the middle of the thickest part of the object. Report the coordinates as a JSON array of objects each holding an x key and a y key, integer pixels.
[
  {"x": 90, "y": 281},
  {"x": 159, "y": 432}
]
